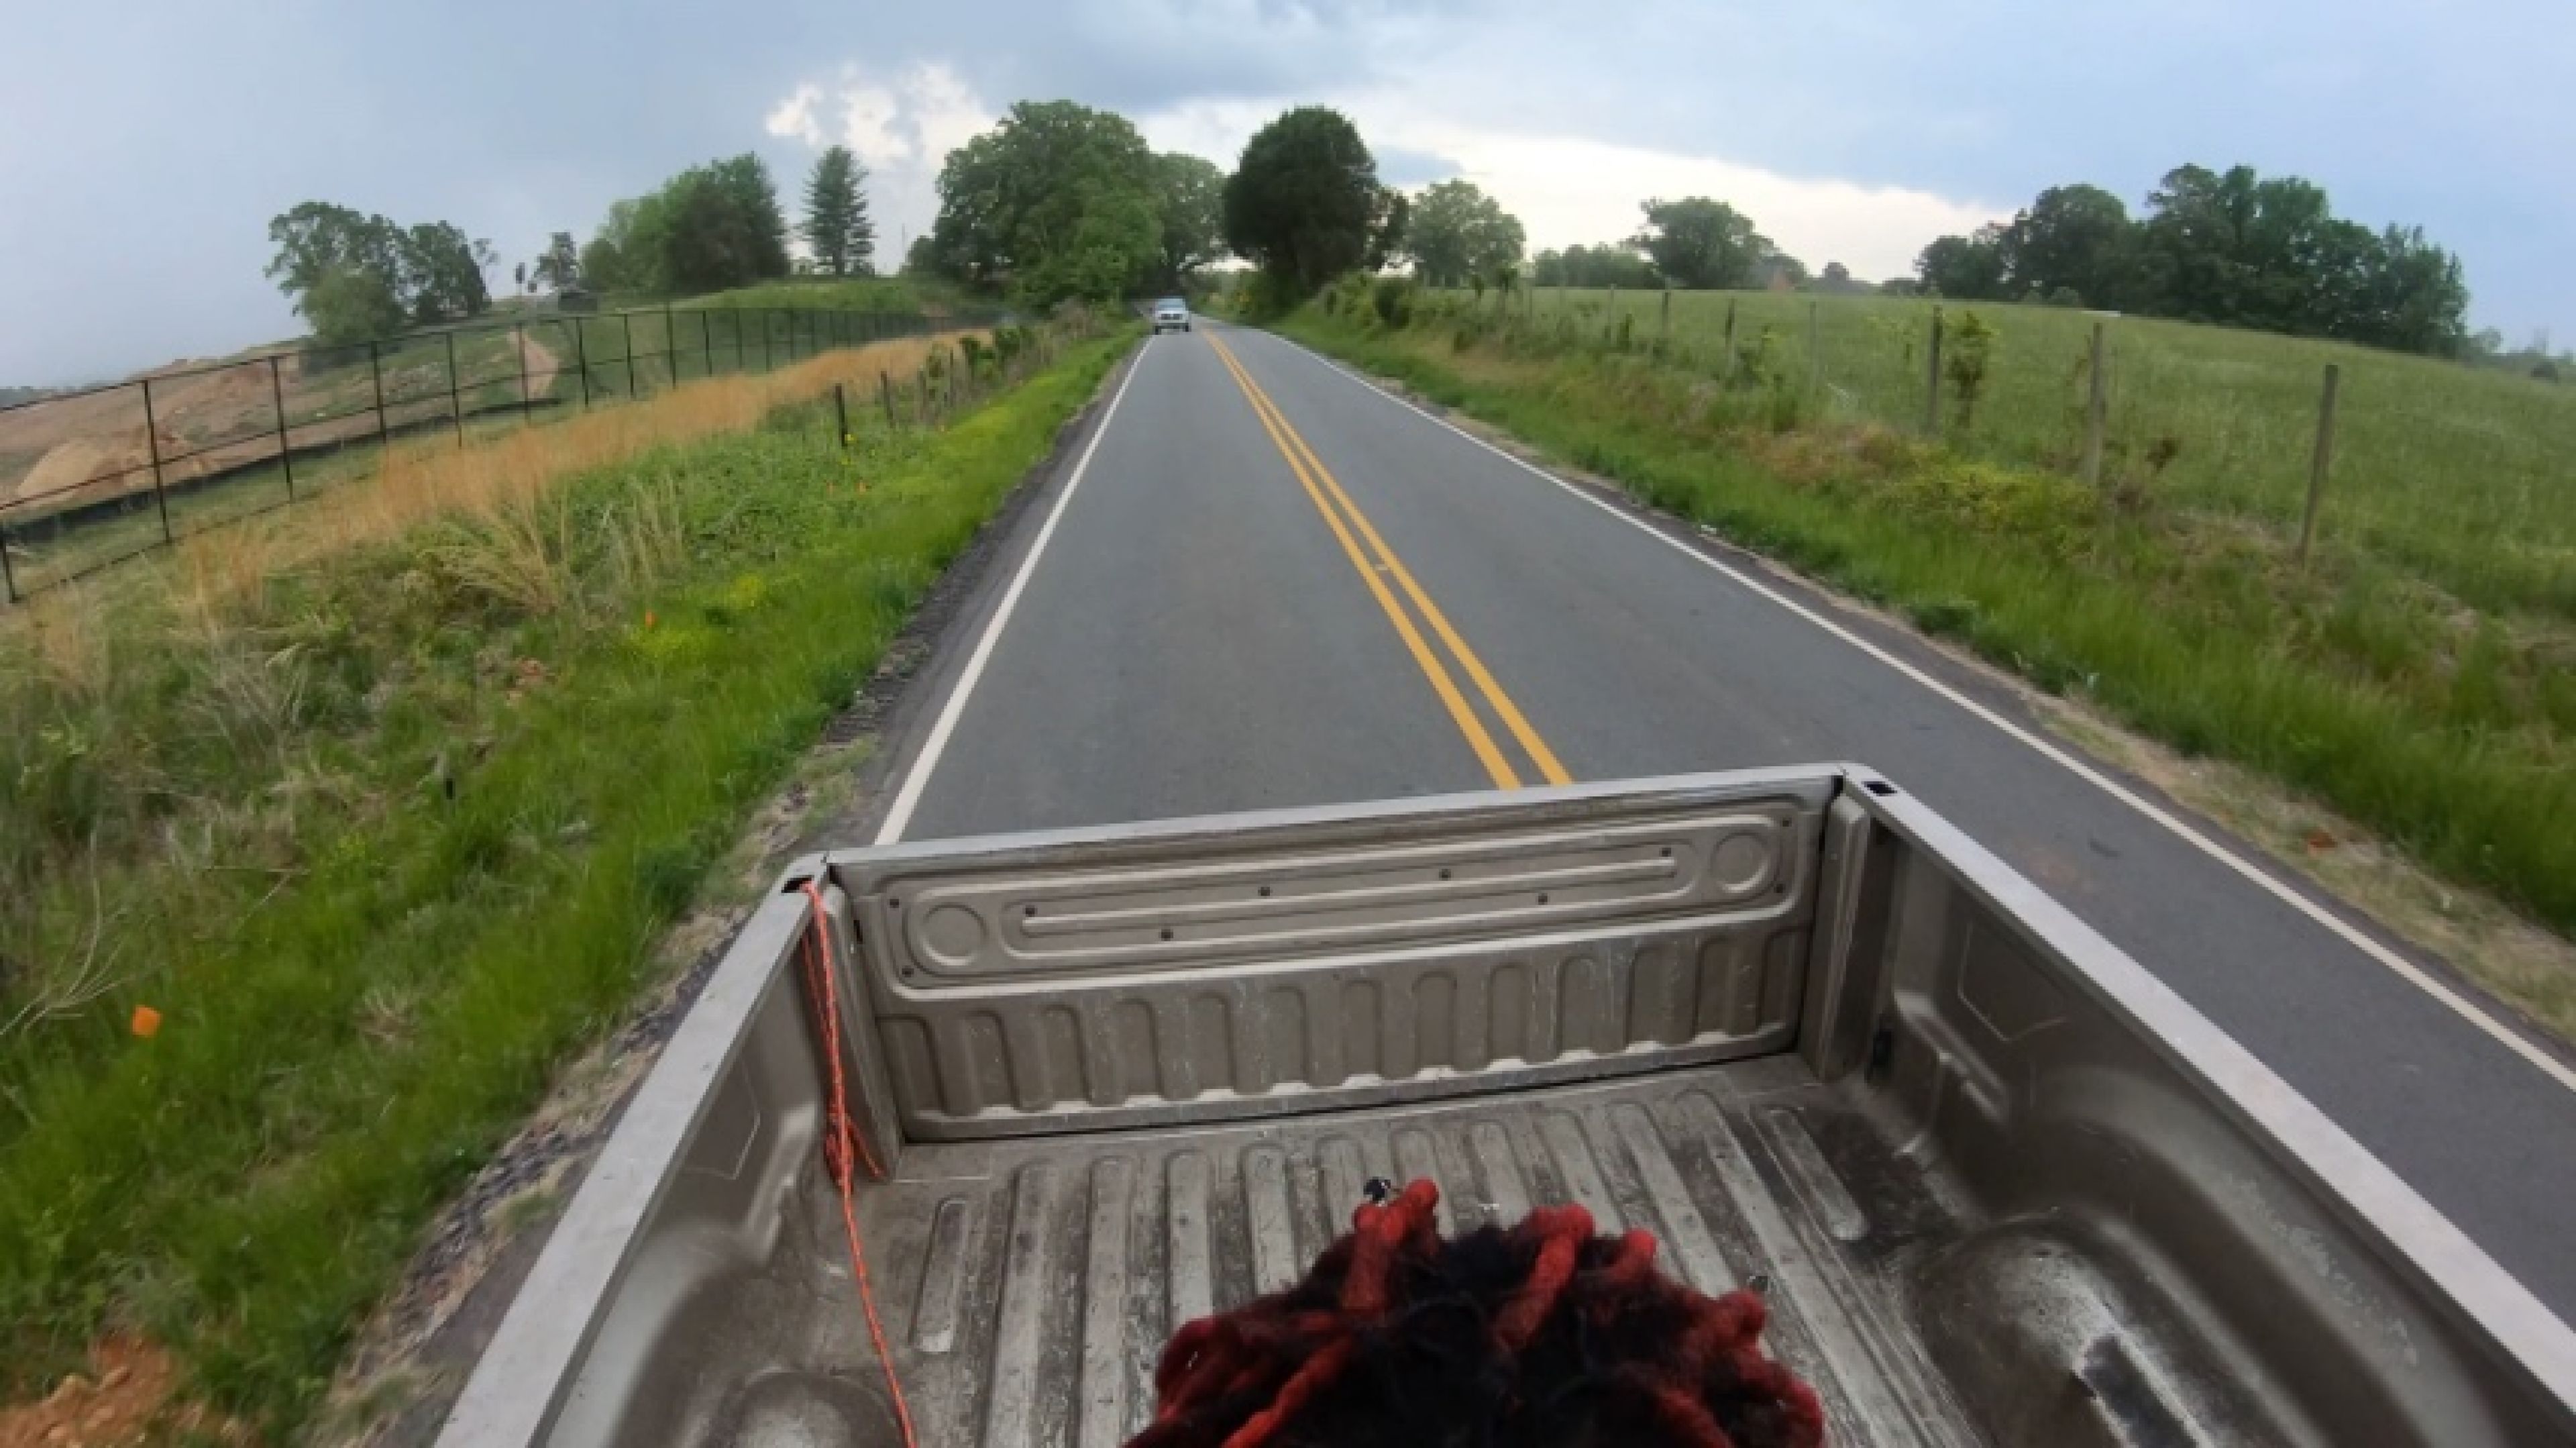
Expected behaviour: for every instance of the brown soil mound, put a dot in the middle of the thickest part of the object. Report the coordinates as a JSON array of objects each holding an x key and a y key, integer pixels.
[{"x": 82, "y": 461}]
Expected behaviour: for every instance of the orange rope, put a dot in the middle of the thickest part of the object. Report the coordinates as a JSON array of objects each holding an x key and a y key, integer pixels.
[{"x": 843, "y": 1136}]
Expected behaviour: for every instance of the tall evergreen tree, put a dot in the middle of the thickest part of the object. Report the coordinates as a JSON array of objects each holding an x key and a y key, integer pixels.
[{"x": 836, "y": 214}]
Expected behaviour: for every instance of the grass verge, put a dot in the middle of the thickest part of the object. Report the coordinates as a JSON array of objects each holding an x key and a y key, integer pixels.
[
  {"x": 386, "y": 833},
  {"x": 2444, "y": 728}
]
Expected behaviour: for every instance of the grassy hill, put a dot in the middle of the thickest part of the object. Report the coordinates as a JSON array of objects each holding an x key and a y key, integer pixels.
[{"x": 2463, "y": 476}]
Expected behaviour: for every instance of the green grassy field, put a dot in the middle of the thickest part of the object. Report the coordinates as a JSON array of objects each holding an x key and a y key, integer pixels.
[
  {"x": 2465, "y": 477},
  {"x": 2416, "y": 676},
  {"x": 388, "y": 838}
]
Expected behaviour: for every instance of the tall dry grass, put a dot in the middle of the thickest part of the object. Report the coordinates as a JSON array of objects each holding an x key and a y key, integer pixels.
[
  {"x": 496, "y": 480},
  {"x": 499, "y": 476}
]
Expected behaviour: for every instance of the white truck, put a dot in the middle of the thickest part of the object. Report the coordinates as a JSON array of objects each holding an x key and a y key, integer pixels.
[{"x": 2001, "y": 1186}]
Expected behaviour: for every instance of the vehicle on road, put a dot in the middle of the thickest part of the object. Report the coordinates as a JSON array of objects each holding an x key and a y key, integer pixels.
[
  {"x": 1171, "y": 314},
  {"x": 1999, "y": 1184}
]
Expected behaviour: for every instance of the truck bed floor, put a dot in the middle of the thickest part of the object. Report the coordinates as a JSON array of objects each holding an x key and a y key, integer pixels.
[{"x": 1027, "y": 1286}]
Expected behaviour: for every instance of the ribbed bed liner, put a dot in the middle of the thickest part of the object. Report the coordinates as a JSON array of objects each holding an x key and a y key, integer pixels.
[{"x": 1028, "y": 1286}]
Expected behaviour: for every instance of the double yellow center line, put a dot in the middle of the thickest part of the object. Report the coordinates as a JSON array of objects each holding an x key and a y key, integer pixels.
[{"x": 1377, "y": 563}]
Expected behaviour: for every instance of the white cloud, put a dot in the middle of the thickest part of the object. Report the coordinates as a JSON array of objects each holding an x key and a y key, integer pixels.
[
  {"x": 901, "y": 127},
  {"x": 793, "y": 118},
  {"x": 1566, "y": 190}
]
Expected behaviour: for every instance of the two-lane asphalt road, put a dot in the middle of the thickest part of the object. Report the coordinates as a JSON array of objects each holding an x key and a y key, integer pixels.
[{"x": 1268, "y": 583}]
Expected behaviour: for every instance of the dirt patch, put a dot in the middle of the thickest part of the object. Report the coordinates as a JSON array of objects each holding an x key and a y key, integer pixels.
[{"x": 127, "y": 1396}]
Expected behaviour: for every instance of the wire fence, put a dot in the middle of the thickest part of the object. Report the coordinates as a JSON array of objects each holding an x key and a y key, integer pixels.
[
  {"x": 2465, "y": 477},
  {"x": 92, "y": 478}
]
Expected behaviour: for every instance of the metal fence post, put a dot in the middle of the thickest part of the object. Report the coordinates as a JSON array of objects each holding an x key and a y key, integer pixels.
[
  {"x": 764, "y": 339},
  {"x": 626, "y": 329},
  {"x": 285, "y": 453},
  {"x": 841, "y": 411},
  {"x": 8, "y": 577},
  {"x": 152, "y": 437},
  {"x": 1664, "y": 319},
  {"x": 376, "y": 370},
  {"x": 670, "y": 345},
  {"x": 1932, "y": 379},
  {"x": 885, "y": 390},
  {"x": 706, "y": 342},
  {"x": 527, "y": 397},
  {"x": 455, "y": 391},
  {"x": 2320, "y": 462},
  {"x": 1728, "y": 372},
  {"x": 581, "y": 360},
  {"x": 2096, "y": 412}
]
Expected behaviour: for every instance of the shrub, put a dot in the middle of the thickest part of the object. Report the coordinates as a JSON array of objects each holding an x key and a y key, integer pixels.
[
  {"x": 1970, "y": 349},
  {"x": 1393, "y": 298}
]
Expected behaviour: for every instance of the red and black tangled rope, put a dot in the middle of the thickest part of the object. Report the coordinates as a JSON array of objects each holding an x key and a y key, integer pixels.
[{"x": 1542, "y": 1333}]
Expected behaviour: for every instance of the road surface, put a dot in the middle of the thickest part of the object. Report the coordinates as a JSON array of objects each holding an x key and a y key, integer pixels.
[{"x": 1267, "y": 583}]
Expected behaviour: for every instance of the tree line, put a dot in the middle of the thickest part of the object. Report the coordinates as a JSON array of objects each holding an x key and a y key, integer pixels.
[
  {"x": 1062, "y": 201},
  {"x": 711, "y": 227},
  {"x": 2234, "y": 248}
]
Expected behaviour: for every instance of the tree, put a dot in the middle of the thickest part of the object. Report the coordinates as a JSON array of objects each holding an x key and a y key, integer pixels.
[
  {"x": 316, "y": 238},
  {"x": 921, "y": 259},
  {"x": 625, "y": 253},
  {"x": 1967, "y": 267},
  {"x": 722, "y": 227},
  {"x": 2071, "y": 238},
  {"x": 707, "y": 229},
  {"x": 1700, "y": 243},
  {"x": 1614, "y": 264},
  {"x": 1456, "y": 232},
  {"x": 559, "y": 265},
  {"x": 355, "y": 276},
  {"x": 1390, "y": 229},
  {"x": 441, "y": 277},
  {"x": 1304, "y": 202},
  {"x": 836, "y": 227},
  {"x": 1058, "y": 200},
  {"x": 1192, "y": 206},
  {"x": 349, "y": 304}
]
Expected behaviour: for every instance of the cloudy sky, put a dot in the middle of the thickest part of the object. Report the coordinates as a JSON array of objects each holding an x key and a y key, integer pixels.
[{"x": 144, "y": 145}]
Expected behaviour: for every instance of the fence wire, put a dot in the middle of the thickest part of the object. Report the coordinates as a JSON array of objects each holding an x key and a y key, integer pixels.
[{"x": 92, "y": 478}]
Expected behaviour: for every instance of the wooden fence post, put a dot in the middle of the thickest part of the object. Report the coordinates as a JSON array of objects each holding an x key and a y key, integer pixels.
[
  {"x": 2096, "y": 413},
  {"x": 2321, "y": 462},
  {"x": 1932, "y": 379}
]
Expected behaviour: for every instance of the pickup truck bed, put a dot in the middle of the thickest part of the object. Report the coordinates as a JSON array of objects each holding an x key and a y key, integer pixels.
[
  {"x": 1029, "y": 1284},
  {"x": 1999, "y": 1185}
]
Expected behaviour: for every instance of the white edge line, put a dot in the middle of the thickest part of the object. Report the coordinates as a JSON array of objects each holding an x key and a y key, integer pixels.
[
  {"x": 2407, "y": 970},
  {"x": 908, "y": 798}
]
